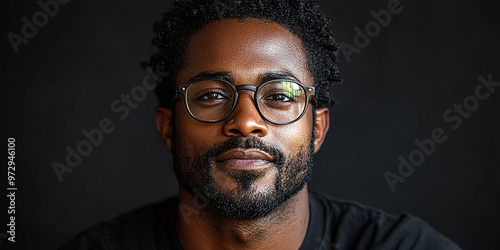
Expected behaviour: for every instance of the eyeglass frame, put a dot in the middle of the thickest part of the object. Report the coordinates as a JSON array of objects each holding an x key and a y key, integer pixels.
[{"x": 181, "y": 89}]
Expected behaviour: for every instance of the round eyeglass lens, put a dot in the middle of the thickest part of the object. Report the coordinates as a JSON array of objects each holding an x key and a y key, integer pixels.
[
  {"x": 282, "y": 101},
  {"x": 209, "y": 100}
]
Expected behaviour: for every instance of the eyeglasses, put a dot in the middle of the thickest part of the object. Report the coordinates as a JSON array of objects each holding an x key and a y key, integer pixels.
[{"x": 279, "y": 101}]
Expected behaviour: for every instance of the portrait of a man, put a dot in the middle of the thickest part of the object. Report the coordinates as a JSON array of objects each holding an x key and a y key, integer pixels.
[
  {"x": 254, "y": 125},
  {"x": 244, "y": 106}
]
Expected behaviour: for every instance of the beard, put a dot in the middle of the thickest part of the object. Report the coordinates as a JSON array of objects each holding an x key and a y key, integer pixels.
[{"x": 247, "y": 200}]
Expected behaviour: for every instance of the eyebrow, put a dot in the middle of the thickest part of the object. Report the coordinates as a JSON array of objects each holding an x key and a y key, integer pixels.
[
  {"x": 277, "y": 75},
  {"x": 227, "y": 76}
]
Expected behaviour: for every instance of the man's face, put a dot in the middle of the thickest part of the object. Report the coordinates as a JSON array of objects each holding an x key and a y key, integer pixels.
[{"x": 244, "y": 166}]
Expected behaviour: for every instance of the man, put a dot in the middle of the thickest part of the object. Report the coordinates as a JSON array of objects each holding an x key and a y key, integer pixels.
[{"x": 243, "y": 108}]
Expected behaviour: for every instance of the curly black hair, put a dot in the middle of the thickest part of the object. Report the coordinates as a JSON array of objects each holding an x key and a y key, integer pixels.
[{"x": 301, "y": 17}]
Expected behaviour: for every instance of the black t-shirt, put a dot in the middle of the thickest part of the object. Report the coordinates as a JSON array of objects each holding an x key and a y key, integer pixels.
[{"x": 332, "y": 225}]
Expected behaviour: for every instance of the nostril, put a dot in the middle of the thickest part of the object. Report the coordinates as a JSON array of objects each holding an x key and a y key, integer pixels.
[
  {"x": 245, "y": 125},
  {"x": 244, "y": 133},
  {"x": 234, "y": 131}
]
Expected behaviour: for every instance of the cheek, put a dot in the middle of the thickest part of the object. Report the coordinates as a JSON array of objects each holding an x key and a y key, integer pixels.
[
  {"x": 294, "y": 137},
  {"x": 183, "y": 131},
  {"x": 191, "y": 134}
]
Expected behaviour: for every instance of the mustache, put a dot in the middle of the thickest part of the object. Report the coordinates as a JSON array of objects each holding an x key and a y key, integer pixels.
[{"x": 238, "y": 142}]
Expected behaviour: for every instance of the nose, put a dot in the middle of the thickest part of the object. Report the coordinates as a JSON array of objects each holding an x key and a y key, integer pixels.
[{"x": 245, "y": 120}]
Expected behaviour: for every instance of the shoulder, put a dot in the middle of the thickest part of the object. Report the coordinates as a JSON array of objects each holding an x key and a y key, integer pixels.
[
  {"x": 136, "y": 229},
  {"x": 356, "y": 226}
]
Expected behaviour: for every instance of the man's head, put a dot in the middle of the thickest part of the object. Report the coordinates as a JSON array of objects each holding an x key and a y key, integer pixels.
[{"x": 244, "y": 165}]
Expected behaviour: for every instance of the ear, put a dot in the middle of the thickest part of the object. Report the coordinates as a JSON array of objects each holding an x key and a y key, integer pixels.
[
  {"x": 321, "y": 127},
  {"x": 164, "y": 123}
]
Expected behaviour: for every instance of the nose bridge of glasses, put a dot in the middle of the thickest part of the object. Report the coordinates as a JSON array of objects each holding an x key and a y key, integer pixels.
[{"x": 246, "y": 87}]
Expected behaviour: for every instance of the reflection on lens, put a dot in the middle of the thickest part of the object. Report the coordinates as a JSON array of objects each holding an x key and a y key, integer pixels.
[{"x": 282, "y": 101}]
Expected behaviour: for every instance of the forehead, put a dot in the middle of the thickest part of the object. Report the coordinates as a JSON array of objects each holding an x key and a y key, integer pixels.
[{"x": 245, "y": 49}]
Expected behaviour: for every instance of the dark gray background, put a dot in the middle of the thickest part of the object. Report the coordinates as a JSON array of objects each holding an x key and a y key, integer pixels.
[{"x": 395, "y": 91}]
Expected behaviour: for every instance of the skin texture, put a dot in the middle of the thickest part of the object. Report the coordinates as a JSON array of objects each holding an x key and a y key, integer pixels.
[{"x": 245, "y": 51}]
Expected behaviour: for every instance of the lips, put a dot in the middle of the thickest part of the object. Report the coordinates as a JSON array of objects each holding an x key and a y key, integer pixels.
[{"x": 244, "y": 159}]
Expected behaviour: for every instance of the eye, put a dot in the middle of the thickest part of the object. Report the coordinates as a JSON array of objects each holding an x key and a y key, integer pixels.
[
  {"x": 212, "y": 96},
  {"x": 209, "y": 93},
  {"x": 282, "y": 97},
  {"x": 281, "y": 92}
]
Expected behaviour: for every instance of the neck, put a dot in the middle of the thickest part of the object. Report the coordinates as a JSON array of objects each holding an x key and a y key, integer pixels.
[{"x": 199, "y": 227}]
